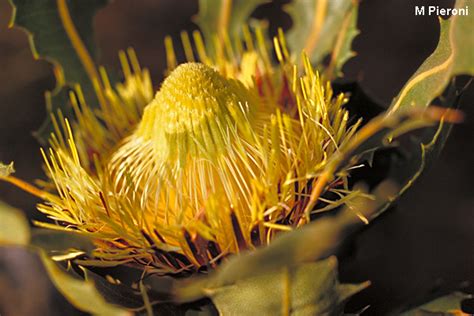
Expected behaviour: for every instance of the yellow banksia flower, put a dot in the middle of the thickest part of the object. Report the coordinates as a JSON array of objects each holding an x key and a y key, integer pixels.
[{"x": 221, "y": 159}]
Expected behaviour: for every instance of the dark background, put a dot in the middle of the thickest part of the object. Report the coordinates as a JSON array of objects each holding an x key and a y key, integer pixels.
[{"x": 424, "y": 245}]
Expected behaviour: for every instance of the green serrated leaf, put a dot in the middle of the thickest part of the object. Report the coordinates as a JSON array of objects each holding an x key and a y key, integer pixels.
[
  {"x": 308, "y": 289},
  {"x": 342, "y": 49},
  {"x": 453, "y": 56},
  {"x": 316, "y": 25},
  {"x": 6, "y": 170},
  {"x": 49, "y": 40},
  {"x": 217, "y": 17},
  {"x": 449, "y": 305},
  {"x": 82, "y": 294},
  {"x": 419, "y": 152},
  {"x": 14, "y": 228}
]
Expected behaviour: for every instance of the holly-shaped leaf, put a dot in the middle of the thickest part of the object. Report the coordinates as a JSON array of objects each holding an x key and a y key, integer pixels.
[
  {"x": 60, "y": 31},
  {"x": 453, "y": 56}
]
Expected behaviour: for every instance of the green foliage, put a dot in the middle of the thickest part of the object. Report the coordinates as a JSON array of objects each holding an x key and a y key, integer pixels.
[
  {"x": 319, "y": 24},
  {"x": 453, "y": 56},
  {"x": 14, "y": 228},
  {"x": 449, "y": 305},
  {"x": 309, "y": 289},
  {"x": 419, "y": 152},
  {"x": 49, "y": 40}
]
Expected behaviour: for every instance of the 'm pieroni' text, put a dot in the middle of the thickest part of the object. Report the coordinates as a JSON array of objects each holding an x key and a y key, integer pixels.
[{"x": 436, "y": 10}]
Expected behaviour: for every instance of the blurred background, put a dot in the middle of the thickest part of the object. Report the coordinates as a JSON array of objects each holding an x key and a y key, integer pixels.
[{"x": 424, "y": 245}]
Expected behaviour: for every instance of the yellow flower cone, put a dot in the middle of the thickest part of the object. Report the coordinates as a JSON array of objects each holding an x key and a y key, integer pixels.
[{"x": 221, "y": 159}]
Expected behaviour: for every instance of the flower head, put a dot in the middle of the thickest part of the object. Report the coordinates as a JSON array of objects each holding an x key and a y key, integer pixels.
[{"x": 220, "y": 160}]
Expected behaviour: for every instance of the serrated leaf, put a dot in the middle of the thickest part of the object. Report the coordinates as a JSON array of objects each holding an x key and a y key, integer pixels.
[
  {"x": 419, "y": 152},
  {"x": 14, "y": 228},
  {"x": 49, "y": 39},
  {"x": 449, "y": 305},
  {"x": 309, "y": 289},
  {"x": 342, "y": 49},
  {"x": 452, "y": 56},
  {"x": 217, "y": 17},
  {"x": 316, "y": 25},
  {"x": 6, "y": 170},
  {"x": 82, "y": 294}
]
